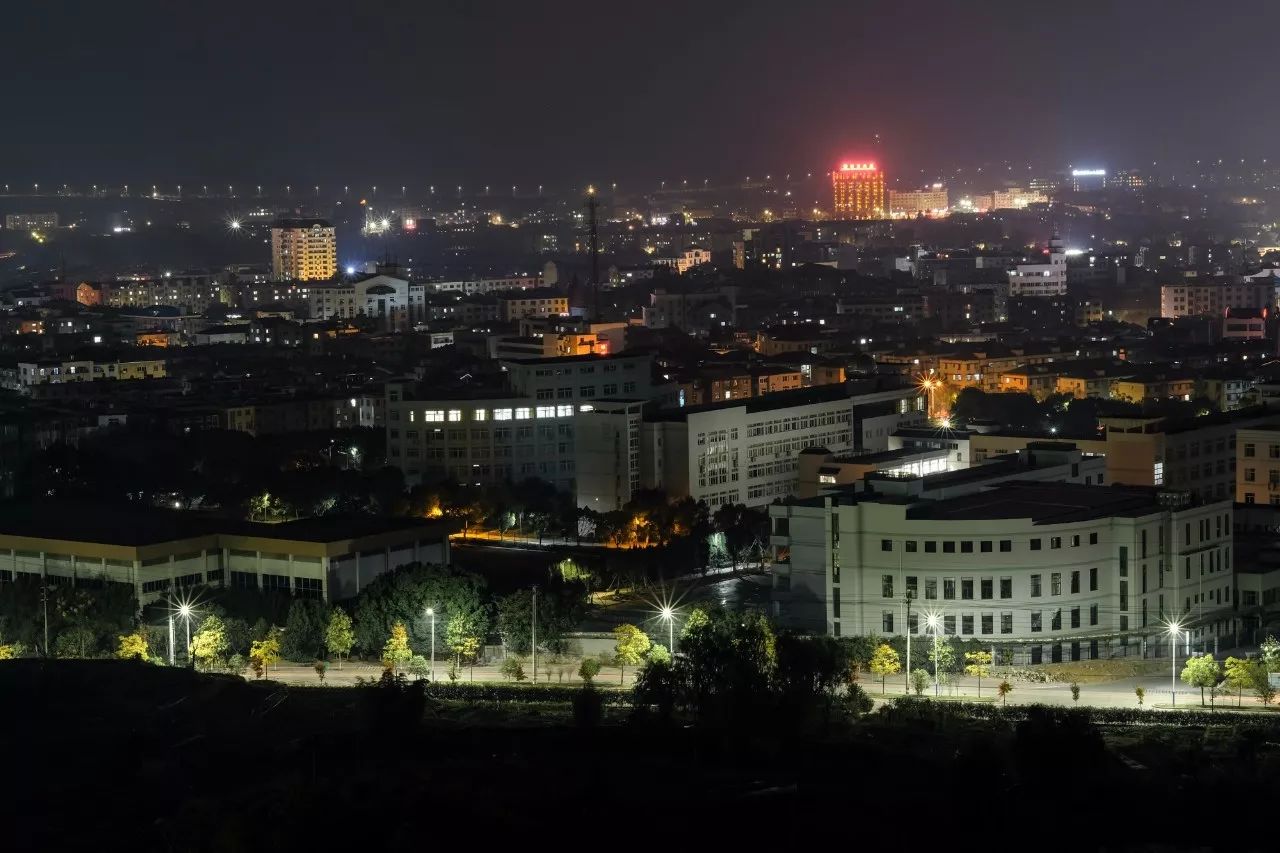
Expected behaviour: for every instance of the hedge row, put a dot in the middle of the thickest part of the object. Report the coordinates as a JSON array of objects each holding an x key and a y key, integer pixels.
[{"x": 911, "y": 706}]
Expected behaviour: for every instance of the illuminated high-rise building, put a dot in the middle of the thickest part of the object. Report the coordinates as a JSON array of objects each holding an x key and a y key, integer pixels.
[
  {"x": 859, "y": 191},
  {"x": 304, "y": 250}
]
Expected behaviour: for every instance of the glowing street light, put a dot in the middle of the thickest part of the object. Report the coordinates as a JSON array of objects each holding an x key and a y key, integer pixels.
[
  {"x": 431, "y": 611},
  {"x": 185, "y": 611},
  {"x": 1175, "y": 631},
  {"x": 669, "y": 615},
  {"x": 934, "y": 623},
  {"x": 234, "y": 225}
]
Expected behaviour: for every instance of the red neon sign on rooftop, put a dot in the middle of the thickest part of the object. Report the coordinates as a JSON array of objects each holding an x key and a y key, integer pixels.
[{"x": 857, "y": 167}]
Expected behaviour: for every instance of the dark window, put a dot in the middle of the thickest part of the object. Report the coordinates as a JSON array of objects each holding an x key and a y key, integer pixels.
[
  {"x": 966, "y": 624},
  {"x": 886, "y": 622},
  {"x": 1093, "y": 539},
  {"x": 987, "y": 588},
  {"x": 948, "y": 547},
  {"x": 1075, "y": 581},
  {"x": 1055, "y": 623},
  {"x": 1035, "y": 586},
  {"x": 1093, "y": 614},
  {"x": 988, "y": 623},
  {"x": 966, "y": 547},
  {"x": 910, "y": 546},
  {"x": 966, "y": 589},
  {"x": 1006, "y": 623},
  {"x": 930, "y": 547},
  {"x": 1006, "y": 545},
  {"x": 1037, "y": 654},
  {"x": 985, "y": 546},
  {"x": 948, "y": 624},
  {"x": 1035, "y": 621},
  {"x": 886, "y": 586},
  {"x": 1035, "y": 544},
  {"x": 1093, "y": 580},
  {"x": 930, "y": 588},
  {"x": 244, "y": 580},
  {"x": 1075, "y": 617},
  {"x": 949, "y": 588},
  {"x": 886, "y": 544},
  {"x": 1006, "y": 587}
]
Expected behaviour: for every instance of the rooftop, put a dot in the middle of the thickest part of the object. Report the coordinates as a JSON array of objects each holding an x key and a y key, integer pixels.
[{"x": 1044, "y": 503}]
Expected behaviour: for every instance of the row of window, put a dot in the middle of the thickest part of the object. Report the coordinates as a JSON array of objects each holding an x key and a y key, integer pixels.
[
  {"x": 985, "y": 586},
  {"x": 985, "y": 546},
  {"x": 985, "y": 622}
]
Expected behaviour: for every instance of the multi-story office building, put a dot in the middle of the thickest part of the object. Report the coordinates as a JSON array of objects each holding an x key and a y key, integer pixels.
[
  {"x": 30, "y": 221},
  {"x": 468, "y": 287},
  {"x": 1214, "y": 297},
  {"x": 1258, "y": 464},
  {"x": 1085, "y": 180},
  {"x": 1048, "y": 278},
  {"x": 1196, "y": 455},
  {"x": 747, "y": 452},
  {"x": 932, "y": 201},
  {"x": 1042, "y": 571},
  {"x": 580, "y": 378},
  {"x": 304, "y": 250},
  {"x": 858, "y": 191},
  {"x": 694, "y": 312},
  {"x": 384, "y": 297},
  {"x": 524, "y": 305}
]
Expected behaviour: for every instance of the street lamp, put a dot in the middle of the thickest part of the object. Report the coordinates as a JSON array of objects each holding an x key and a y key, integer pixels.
[
  {"x": 184, "y": 610},
  {"x": 670, "y": 615},
  {"x": 432, "y": 613},
  {"x": 934, "y": 623},
  {"x": 1175, "y": 629}
]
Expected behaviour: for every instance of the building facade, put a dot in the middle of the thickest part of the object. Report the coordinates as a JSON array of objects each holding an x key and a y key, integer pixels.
[
  {"x": 858, "y": 192},
  {"x": 1044, "y": 572},
  {"x": 304, "y": 250}
]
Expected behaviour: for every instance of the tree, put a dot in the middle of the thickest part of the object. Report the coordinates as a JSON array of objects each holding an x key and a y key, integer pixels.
[
  {"x": 943, "y": 657},
  {"x": 76, "y": 642},
  {"x": 403, "y": 596},
  {"x": 265, "y": 653},
  {"x": 1239, "y": 676},
  {"x": 131, "y": 646},
  {"x": 884, "y": 663},
  {"x": 338, "y": 634},
  {"x": 209, "y": 645},
  {"x": 321, "y": 667},
  {"x": 919, "y": 680},
  {"x": 1271, "y": 654},
  {"x": 396, "y": 650},
  {"x": 978, "y": 665},
  {"x": 1202, "y": 671},
  {"x": 1262, "y": 682},
  {"x": 304, "y": 630},
  {"x": 1075, "y": 691},
  {"x": 1141, "y": 693},
  {"x": 630, "y": 645},
  {"x": 1003, "y": 690},
  {"x": 589, "y": 669},
  {"x": 658, "y": 653}
]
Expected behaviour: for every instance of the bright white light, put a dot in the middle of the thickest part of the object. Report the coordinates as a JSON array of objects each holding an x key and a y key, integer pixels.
[
  {"x": 668, "y": 613},
  {"x": 431, "y": 612},
  {"x": 184, "y": 610},
  {"x": 351, "y": 270},
  {"x": 235, "y": 225}
]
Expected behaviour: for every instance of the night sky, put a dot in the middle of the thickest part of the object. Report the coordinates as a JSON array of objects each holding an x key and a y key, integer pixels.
[{"x": 566, "y": 92}]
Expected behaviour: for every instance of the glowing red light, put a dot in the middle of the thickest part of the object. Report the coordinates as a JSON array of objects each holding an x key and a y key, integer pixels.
[{"x": 857, "y": 167}]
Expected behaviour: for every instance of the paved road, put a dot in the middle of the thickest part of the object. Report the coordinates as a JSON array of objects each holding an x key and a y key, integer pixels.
[{"x": 354, "y": 670}]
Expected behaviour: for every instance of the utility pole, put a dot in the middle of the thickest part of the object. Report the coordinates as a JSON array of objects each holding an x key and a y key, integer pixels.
[
  {"x": 44, "y": 603},
  {"x": 533, "y": 635},
  {"x": 171, "y": 661},
  {"x": 594, "y": 239},
  {"x": 908, "y": 642}
]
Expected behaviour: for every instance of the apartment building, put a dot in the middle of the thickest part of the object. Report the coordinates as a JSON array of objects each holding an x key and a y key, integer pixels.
[
  {"x": 304, "y": 250},
  {"x": 1044, "y": 572},
  {"x": 1258, "y": 464},
  {"x": 525, "y": 305},
  {"x": 31, "y": 373},
  {"x": 1213, "y": 297}
]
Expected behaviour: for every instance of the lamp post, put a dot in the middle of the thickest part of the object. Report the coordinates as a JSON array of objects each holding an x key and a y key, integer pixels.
[
  {"x": 431, "y": 611},
  {"x": 1174, "y": 630},
  {"x": 934, "y": 623},
  {"x": 670, "y": 615},
  {"x": 185, "y": 612}
]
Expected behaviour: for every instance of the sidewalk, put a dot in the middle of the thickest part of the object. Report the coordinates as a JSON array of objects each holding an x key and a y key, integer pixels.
[{"x": 352, "y": 671}]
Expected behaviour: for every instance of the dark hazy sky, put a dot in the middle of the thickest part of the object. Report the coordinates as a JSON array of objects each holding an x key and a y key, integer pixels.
[{"x": 555, "y": 92}]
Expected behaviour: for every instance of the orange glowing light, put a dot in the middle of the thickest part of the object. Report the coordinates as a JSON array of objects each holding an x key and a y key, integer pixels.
[{"x": 857, "y": 167}]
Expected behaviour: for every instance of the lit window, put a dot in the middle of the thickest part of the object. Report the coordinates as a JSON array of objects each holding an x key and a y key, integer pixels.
[
  {"x": 433, "y": 415},
  {"x": 502, "y": 414},
  {"x": 546, "y": 411},
  {"x": 564, "y": 411},
  {"x": 455, "y": 414},
  {"x": 522, "y": 413},
  {"x": 586, "y": 407}
]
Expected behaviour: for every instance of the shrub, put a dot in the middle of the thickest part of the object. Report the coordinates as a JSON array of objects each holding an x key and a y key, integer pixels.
[
  {"x": 419, "y": 667},
  {"x": 1141, "y": 693},
  {"x": 589, "y": 670},
  {"x": 513, "y": 668},
  {"x": 321, "y": 667},
  {"x": 856, "y": 701},
  {"x": 1075, "y": 691},
  {"x": 920, "y": 680}
]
